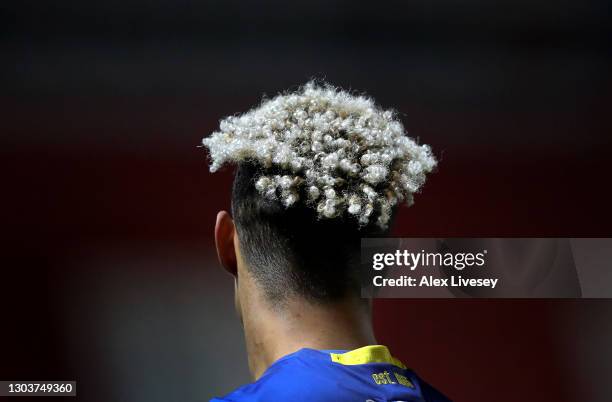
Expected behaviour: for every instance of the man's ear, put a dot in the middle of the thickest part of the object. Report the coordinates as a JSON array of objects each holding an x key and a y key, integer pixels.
[{"x": 224, "y": 242}]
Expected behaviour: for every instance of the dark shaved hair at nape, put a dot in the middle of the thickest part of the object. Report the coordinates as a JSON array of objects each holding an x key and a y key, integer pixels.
[{"x": 290, "y": 251}]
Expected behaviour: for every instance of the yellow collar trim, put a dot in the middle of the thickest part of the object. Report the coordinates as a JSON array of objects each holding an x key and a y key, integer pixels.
[{"x": 365, "y": 355}]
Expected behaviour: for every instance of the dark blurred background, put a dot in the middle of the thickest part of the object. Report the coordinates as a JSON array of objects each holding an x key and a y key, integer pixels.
[{"x": 109, "y": 276}]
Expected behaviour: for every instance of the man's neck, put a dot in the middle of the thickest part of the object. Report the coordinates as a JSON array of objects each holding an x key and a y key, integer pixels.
[{"x": 272, "y": 333}]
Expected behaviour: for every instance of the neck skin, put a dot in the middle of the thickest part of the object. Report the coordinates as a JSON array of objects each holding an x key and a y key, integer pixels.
[{"x": 272, "y": 332}]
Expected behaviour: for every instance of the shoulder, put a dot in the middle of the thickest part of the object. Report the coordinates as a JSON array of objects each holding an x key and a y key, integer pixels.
[{"x": 292, "y": 379}]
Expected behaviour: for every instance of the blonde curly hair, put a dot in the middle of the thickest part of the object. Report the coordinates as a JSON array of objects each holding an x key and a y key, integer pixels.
[{"x": 337, "y": 152}]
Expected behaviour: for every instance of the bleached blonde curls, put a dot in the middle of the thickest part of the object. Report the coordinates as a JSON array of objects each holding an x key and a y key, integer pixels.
[{"x": 338, "y": 152}]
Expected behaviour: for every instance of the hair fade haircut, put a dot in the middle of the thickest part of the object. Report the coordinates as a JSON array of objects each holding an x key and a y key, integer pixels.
[
  {"x": 318, "y": 168},
  {"x": 291, "y": 251}
]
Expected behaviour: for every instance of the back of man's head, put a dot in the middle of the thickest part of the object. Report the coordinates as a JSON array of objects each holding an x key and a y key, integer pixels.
[
  {"x": 317, "y": 170},
  {"x": 291, "y": 251}
]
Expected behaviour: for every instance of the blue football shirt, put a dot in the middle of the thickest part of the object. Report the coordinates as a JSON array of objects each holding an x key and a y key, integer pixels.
[{"x": 368, "y": 374}]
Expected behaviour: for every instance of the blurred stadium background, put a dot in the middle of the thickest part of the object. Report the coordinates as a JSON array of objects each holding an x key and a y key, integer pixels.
[{"x": 109, "y": 276}]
